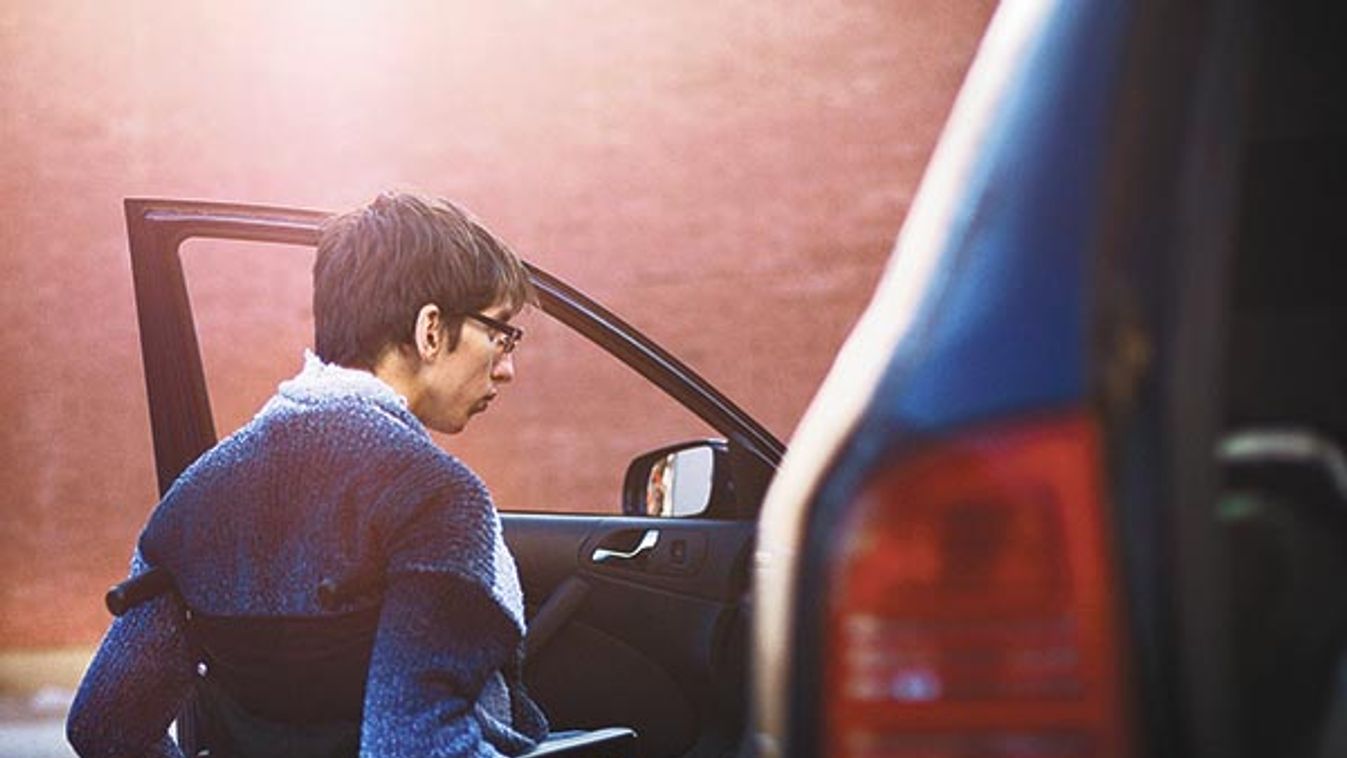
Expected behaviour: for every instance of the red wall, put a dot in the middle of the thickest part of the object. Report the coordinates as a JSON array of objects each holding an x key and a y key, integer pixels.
[{"x": 729, "y": 176}]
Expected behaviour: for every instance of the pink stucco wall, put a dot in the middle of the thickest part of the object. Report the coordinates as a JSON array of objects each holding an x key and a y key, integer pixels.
[{"x": 729, "y": 176}]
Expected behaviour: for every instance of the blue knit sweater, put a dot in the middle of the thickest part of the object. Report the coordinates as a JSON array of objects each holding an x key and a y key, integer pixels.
[{"x": 333, "y": 479}]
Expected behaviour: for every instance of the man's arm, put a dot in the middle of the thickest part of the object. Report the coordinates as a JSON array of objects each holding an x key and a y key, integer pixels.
[
  {"x": 439, "y": 639},
  {"x": 139, "y": 678}
]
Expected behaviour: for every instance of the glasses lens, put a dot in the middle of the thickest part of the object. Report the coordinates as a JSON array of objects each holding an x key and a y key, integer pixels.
[{"x": 504, "y": 336}]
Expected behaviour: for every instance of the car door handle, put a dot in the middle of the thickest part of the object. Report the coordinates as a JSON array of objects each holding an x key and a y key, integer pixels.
[{"x": 648, "y": 541}]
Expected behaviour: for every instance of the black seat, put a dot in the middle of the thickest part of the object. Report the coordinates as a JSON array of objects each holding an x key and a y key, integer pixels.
[
  {"x": 229, "y": 646},
  {"x": 1284, "y": 506}
]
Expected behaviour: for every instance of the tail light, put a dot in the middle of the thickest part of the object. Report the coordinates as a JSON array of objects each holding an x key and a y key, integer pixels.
[{"x": 972, "y": 608}]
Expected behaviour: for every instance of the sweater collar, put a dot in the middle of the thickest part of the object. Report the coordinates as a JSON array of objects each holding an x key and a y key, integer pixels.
[{"x": 319, "y": 381}]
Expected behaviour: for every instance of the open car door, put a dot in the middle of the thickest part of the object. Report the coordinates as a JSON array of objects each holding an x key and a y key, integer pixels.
[{"x": 637, "y": 620}]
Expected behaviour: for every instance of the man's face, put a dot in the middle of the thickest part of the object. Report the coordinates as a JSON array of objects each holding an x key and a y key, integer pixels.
[{"x": 460, "y": 383}]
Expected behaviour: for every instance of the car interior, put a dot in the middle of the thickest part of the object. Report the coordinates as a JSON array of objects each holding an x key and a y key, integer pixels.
[{"x": 1283, "y": 502}]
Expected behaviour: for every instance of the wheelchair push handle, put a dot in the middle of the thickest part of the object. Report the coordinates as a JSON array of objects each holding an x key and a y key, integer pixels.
[
  {"x": 138, "y": 589},
  {"x": 121, "y": 598}
]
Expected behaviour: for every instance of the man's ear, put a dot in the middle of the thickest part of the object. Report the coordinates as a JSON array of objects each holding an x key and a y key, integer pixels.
[{"x": 429, "y": 331}]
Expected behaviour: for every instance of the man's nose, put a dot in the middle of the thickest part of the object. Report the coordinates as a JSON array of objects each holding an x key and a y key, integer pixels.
[{"x": 503, "y": 369}]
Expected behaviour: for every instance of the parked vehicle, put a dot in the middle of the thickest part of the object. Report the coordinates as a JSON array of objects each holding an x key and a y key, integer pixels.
[{"x": 1074, "y": 485}]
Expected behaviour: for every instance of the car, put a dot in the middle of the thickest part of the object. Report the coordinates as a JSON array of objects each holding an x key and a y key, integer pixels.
[
  {"x": 1075, "y": 483},
  {"x": 637, "y": 619}
]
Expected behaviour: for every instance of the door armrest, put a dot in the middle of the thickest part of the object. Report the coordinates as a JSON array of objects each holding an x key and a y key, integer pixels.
[{"x": 609, "y": 742}]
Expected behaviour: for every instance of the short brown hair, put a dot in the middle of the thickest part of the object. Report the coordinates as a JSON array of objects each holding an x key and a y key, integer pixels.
[{"x": 378, "y": 264}]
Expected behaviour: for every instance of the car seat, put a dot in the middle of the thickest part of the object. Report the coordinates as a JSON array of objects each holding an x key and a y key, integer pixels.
[{"x": 1284, "y": 508}]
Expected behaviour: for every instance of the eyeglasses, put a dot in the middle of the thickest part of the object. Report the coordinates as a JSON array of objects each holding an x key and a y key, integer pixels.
[{"x": 508, "y": 335}]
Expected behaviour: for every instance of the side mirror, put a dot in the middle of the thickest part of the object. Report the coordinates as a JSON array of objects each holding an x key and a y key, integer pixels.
[{"x": 678, "y": 481}]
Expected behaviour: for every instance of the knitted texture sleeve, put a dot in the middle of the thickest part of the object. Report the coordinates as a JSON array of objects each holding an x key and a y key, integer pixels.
[
  {"x": 336, "y": 480},
  {"x": 138, "y": 679},
  {"x": 444, "y": 678},
  {"x": 422, "y": 688}
]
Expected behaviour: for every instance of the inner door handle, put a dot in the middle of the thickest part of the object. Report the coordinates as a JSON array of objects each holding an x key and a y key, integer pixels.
[{"x": 647, "y": 542}]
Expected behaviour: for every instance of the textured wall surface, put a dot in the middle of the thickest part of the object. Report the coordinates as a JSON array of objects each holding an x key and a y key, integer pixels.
[{"x": 728, "y": 176}]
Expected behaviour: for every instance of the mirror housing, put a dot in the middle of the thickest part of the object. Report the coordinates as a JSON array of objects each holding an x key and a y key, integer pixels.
[{"x": 678, "y": 481}]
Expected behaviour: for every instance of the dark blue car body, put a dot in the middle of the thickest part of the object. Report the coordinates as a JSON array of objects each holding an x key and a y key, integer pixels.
[{"x": 1111, "y": 232}]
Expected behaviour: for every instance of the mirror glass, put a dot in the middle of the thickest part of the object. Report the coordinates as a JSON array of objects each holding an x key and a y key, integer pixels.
[{"x": 680, "y": 483}]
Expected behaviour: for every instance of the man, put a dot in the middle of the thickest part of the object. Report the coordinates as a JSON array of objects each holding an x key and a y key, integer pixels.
[{"x": 342, "y": 583}]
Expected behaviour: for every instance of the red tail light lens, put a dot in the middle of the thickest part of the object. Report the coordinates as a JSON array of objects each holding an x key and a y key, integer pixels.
[{"x": 972, "y": 609}]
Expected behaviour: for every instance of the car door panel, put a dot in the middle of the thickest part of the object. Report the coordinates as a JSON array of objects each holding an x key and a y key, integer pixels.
[
  {"x": 655, "y": 641},
  {"x": 589, "y": 679}
]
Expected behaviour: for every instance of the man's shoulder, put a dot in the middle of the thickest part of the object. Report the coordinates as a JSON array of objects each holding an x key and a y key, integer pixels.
[
  {"x": 361, "y": 429},
  {"x": 347, "y": 421}
]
